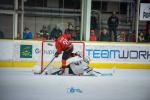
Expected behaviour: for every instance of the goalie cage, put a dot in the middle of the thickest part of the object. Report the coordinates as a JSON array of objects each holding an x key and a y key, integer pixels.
[{"x": 48, "y": 50}]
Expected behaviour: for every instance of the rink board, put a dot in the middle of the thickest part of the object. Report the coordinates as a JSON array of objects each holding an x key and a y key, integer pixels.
[{"x": 21, "y": 53}]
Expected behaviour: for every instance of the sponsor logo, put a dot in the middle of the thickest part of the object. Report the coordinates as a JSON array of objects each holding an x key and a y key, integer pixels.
[
  {"x": 25, "y": 51},
  {"x": 72, "y": 90},
  {"x": 119, "y": 54},
  {"x": 47, "y": 52}
]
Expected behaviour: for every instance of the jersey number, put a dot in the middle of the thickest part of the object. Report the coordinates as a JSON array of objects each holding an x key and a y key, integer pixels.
[{"x": 65, "y": 41}]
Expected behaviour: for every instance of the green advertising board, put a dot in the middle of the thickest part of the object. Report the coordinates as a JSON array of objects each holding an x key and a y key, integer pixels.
[{"x": 25, "y": 51}]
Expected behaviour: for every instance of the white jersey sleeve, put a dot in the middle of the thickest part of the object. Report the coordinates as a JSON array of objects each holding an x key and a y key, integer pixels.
[{"x": 78, "y": 67}]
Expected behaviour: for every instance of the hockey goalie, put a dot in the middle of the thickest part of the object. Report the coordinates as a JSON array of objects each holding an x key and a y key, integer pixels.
[{"x": 79, "y": 67}]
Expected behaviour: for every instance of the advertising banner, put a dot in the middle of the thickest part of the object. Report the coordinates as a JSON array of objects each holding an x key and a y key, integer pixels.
[
  {"x": 25, "y": 51},
  {"x": 118, "y": 53}
]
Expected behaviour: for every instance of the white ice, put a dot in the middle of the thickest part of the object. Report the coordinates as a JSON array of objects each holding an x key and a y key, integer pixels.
[{"x": 21, "y": 84}]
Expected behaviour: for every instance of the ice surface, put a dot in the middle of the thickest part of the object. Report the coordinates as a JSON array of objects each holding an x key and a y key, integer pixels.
[{"x": 21, "y": 84}]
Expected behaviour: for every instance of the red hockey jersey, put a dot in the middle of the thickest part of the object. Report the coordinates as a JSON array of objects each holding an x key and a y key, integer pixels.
[{"x": 62, "y": 43}]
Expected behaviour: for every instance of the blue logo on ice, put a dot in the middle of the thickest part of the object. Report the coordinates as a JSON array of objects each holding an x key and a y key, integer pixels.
[{"x": 72, "y": 90}]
